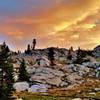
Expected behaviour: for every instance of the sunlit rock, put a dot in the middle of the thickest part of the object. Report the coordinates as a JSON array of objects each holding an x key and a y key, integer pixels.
[
  {"x": 21, "y": 86},
  {"x": 38, "y": 88}
]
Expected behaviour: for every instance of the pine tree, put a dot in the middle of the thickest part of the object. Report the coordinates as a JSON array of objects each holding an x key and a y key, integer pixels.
[
  {"x": 34, "y": 44},
  {"x": 69, "y": 57},
  {"x": 23, "y": 74},
  {"x": 51, "y": 56},
  {"x": 28, "y": 51},
  {"x": 6, "y": 70},
  {"x": 80, "y": 55}
]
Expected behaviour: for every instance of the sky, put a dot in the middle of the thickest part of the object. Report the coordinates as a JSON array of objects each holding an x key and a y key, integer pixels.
[{"x": 57, "y": 23}]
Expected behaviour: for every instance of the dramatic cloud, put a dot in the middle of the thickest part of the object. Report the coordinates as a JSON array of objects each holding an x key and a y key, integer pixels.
[{"x": 52, "y": 22}]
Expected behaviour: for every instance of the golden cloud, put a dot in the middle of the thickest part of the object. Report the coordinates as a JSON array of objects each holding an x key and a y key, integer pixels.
[{"x": 70, "y": 22}]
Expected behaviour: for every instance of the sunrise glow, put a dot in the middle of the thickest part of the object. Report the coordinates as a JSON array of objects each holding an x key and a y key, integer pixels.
[{"x": 62, "y": 23}]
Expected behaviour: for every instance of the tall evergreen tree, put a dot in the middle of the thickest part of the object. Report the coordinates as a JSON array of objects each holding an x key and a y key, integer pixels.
[
  {"x": 28, "y": 51},
  {"x": 51, "y": 56},
  {"x": 34, "y": 44},
  {"x": 80, "y": 56},
  {"x": 69, "y": 57},
  {"x": 23, "y": 74},
  {"x": 6, "y": 70}
]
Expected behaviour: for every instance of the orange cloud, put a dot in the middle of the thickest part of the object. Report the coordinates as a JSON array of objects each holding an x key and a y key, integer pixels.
[{"x": 64, "y": 23}]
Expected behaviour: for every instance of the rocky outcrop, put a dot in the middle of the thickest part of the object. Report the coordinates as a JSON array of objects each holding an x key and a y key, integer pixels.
[
  {"x": 62, "y": 74},
  {"x": 47, "y": 75},
  {"x": 24, "y": 86},
  {"x": 96, "y": 51}
]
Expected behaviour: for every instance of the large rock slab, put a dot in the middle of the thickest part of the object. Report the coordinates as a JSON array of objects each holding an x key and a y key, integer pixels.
[
  {"x": 21, "y": 86},
  {"x": 47, "y": 78},
  {"x": 47, "y": 75},
  {"x": 38, "y": 88},
  {"x": 49, "y": 70},
  {"x": 56, "y": 81},
  {"x": 74, "y": 78}
]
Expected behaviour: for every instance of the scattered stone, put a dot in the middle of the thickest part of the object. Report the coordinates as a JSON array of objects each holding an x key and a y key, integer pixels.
[
  {"x": 56, "y": 81},
  {"x": 42, "y": 62},
  {"x": 77, "y": 99},
  {"x": 74, "y": 78},
  {"x": 19, "y": 99},
  {"x": 64, "y": 84},
  {"x": 72, "y": 86},
  {"x": 92, "y": 93},
  {"x": 97, "y": 89}
]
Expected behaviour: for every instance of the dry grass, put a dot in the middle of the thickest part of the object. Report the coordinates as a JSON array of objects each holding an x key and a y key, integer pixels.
[{"x": 82, "y": 91}]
